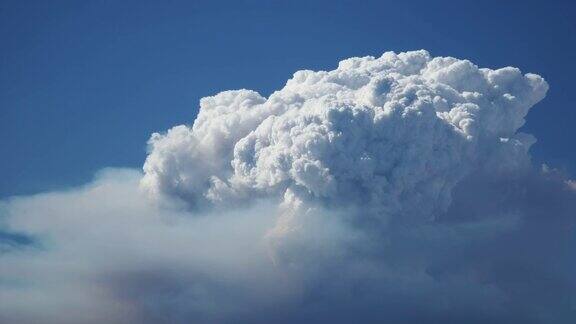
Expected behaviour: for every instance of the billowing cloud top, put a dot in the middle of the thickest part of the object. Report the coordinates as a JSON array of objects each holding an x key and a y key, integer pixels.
[{"x": 392, "y": 135}]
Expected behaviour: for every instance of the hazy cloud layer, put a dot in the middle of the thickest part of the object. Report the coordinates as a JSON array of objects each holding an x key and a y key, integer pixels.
[{"x": 392, "y": 189}]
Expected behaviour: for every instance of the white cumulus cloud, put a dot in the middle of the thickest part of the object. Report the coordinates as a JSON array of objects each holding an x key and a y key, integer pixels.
[
  {"x": 391, "y": 135},
  {"x": 392, "y": 189}
]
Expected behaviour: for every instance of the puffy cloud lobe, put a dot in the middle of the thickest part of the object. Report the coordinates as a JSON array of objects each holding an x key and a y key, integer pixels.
[{"x": 392, "y": 134}]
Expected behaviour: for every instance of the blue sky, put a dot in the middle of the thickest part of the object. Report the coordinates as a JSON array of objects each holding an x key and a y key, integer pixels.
[{"x": 84, "y": 83}]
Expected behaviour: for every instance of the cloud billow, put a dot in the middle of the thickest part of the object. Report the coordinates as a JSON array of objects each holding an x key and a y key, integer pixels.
[
  {"x": 395, "y": 188},
  {"x": 390, "y": 136}
]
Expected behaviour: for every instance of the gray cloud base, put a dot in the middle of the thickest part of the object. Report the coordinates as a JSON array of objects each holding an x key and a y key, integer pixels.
[{"x": 392, "y": 189}]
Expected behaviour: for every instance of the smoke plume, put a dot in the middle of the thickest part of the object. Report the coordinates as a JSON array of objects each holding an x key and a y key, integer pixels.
[{"x": 395, "y": 188}]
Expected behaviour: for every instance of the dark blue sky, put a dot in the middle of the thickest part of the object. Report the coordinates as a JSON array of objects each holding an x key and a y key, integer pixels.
[{"x": 84, "y": 83}]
